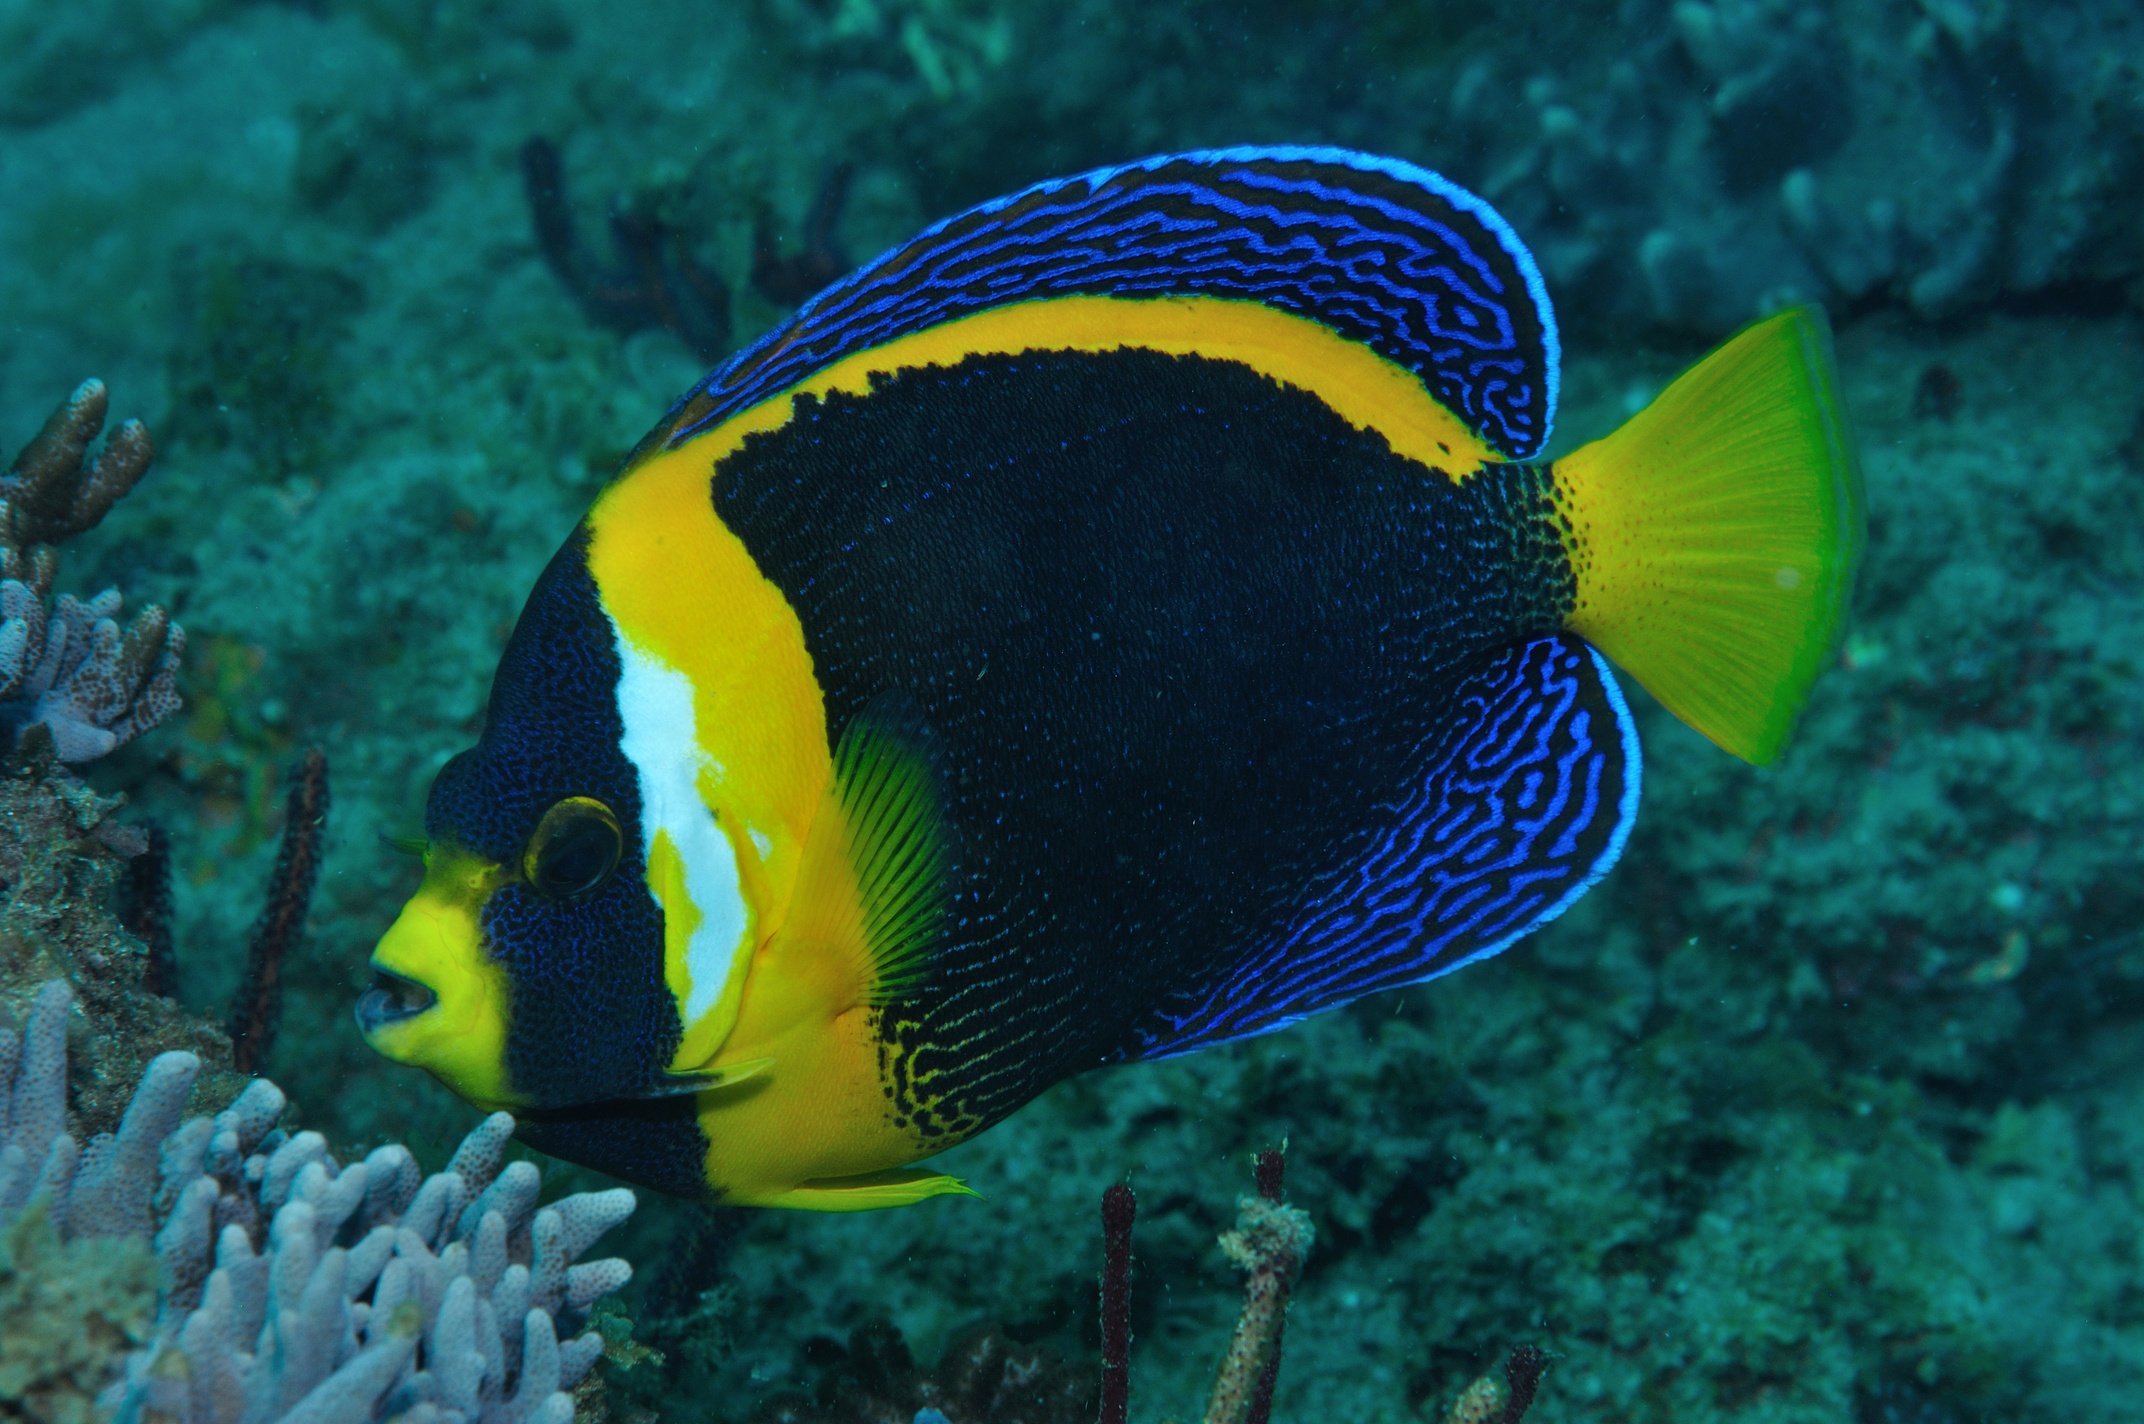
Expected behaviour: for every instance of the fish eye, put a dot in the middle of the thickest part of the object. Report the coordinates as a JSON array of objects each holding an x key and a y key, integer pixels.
[{"x": 574, "y": 850}]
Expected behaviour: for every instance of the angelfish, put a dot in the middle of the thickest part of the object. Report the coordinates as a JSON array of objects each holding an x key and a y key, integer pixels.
[{"x": 1135, "y": 614}]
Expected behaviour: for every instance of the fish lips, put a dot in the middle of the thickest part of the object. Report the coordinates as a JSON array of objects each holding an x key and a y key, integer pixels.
[
  {"x": 392, "y": 999},
  {"x": 439, "y": 1000}
]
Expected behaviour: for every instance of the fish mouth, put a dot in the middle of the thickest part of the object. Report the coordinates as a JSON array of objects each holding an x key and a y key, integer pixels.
[{"x": 392, "y": 999}]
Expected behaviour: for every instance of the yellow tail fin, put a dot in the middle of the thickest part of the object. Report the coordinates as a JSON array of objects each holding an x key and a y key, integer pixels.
[{"x": 1716, "y": 534}]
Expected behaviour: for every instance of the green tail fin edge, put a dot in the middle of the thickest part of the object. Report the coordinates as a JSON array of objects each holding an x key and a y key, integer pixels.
[{"x": 1716, "y": 535}]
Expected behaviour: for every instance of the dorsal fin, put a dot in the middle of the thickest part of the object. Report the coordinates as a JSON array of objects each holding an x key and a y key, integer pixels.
[{"x": 1393, "y": 256}]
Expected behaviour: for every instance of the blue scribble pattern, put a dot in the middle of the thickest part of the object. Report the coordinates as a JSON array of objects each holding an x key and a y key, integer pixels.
[
  {"x": 1386, "y": 253},
  {"x": 1531, "y": 790}
]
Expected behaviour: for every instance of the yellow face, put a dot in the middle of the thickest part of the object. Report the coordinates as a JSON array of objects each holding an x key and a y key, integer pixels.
[{"x": 444, "y": 999}]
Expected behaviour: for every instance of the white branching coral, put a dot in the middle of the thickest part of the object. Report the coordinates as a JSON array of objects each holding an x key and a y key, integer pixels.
[
  {"x": 293, "y": 1289},
  {"x": 71, "y": 666}
]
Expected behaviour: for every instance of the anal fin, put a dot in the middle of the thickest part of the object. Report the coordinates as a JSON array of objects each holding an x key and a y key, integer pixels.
[
  {"x": 869, "y": 1191},
  {"x": 1522, "y": 800}
]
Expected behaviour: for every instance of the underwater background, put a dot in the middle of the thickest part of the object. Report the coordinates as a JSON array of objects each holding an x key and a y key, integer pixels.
[{"x": 1828, "y": 1104}]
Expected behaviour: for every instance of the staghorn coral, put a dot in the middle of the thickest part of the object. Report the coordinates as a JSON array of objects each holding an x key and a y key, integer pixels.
[
  {"x": 286, "y": 1286},
  {"x": 72, "y": 670},
  {"x": 70, "y": 666}
]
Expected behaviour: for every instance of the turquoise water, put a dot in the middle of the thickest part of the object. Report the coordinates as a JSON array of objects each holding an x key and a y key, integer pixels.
[{"x": 1825, "y": 1105}]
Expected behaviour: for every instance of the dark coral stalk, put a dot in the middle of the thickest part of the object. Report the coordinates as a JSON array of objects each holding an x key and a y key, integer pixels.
[
  {"x": 258, "y": 1004},
  {"x": 655, "y": 282},
  {"x": 1270, "y": 1171},
  {"x": 819, "y": 262},
  {"x": 145, "y": 911},
  {"x": 1490, "y": 1400},
  {"x": 1119, "y": 1209},
  {"x": 1522, "y": 1376},
  {"x": 1268, "y": 1245}
]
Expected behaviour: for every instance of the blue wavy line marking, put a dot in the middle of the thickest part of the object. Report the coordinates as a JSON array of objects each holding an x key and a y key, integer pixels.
[
  {"x": 1437, "y": 283},
  {"x": 1510, "y": 825}
]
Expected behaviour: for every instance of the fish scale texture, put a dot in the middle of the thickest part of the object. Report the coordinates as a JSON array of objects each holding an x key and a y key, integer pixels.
[{"x": 981, "y": 538}]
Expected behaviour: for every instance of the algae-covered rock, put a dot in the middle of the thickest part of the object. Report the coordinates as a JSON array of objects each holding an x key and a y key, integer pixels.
[
  {"x": 69, "y": 1313},
  {"x": 63, "y": 849}
]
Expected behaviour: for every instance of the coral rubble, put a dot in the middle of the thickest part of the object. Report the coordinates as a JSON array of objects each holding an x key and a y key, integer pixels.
[{"x": 64, "y": 849}]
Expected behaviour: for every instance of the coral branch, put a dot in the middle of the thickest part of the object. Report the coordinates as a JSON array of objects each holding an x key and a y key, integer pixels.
[
  {"x": 820, "y": 260},
  {"x": 258, "y": 1003},
  {"x": 70, "y": 666},
  {"x": 657, "y": 281},
  {"x": 49, "y": 494},
  {"x": 1522, "y": 1374},
  {"x": 73, "y": 669},
  {"x": 1490, "y": 1400},
  {"x": 1270, "y": 1171},
  {"x": 1269, "y": 1245}
]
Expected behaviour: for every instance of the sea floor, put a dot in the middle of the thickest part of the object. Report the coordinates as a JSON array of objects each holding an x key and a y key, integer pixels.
[{"x": 1826, "y": 1105}]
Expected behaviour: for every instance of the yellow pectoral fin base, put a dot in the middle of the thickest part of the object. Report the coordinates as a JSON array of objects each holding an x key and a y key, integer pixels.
[
  {"x": 872, "y": 882},
  {"x": 897, "y": 837},
  {"x": 1716, "y": 535},
  {"x": 871, "y": 1191}
]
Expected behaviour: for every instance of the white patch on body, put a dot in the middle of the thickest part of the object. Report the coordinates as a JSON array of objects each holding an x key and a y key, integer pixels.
[{"x": 662, "y": 742}]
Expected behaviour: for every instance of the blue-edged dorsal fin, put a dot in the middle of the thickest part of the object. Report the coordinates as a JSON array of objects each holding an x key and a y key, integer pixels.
[
  {"x": 1384, "y": 253},
  {"x": 1525, "y": 800}
]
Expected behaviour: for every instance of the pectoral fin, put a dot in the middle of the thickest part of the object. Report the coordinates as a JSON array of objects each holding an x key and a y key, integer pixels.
[
  {"x": 878, "y": 864},
  {"x": 708, "y": 1080}
]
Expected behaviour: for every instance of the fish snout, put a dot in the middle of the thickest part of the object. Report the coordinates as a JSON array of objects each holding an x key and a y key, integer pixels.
[{"x": 438, "y": 1000}]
